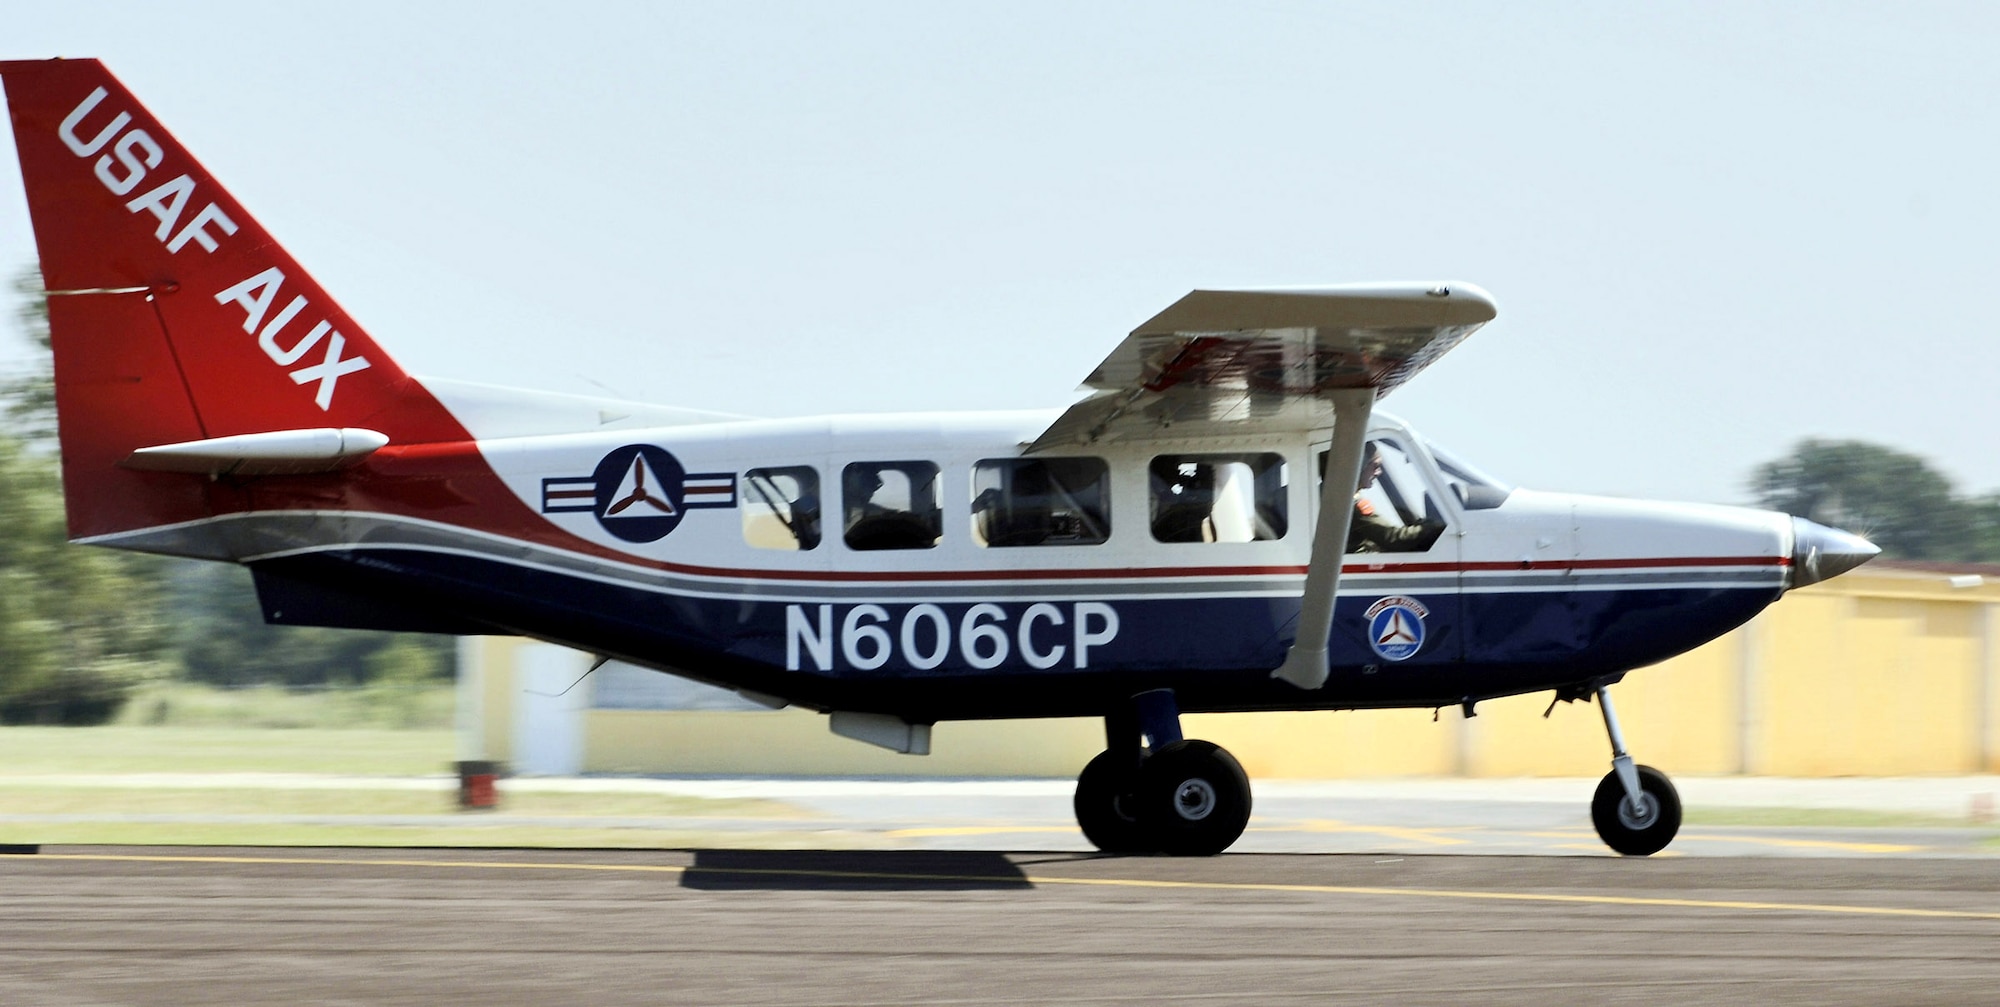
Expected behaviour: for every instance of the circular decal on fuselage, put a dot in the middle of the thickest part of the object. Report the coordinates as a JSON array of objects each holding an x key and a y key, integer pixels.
[
  {"x": 640, "y": 494},
  {"x": 1396, "y": 627}
]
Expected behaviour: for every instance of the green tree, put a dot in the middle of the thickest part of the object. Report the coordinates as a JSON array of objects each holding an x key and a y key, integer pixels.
[
  {"x": 1895, "y": 499},
  {"x": 78, "y": 627},
  {"x": 1985, "y": 512}
]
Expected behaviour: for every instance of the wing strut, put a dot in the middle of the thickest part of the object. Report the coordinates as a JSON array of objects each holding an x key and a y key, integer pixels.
[{"x": 1305, "y": 663}]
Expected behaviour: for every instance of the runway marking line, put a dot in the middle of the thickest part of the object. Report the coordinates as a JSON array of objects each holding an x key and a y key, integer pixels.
[
  {"x": 1218, "y": 886},
  {"x": 1814, "y": 844},
  {"x": 1807, "y": 844}
]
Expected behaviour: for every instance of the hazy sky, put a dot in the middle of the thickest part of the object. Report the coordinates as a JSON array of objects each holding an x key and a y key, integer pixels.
[{"x": 1712, "y": 229}]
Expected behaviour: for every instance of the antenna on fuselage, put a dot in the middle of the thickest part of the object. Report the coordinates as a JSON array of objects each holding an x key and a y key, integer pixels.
[{"x": 602, "y": 660}]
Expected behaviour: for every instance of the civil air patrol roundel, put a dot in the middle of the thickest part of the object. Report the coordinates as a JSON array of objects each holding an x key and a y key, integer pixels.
[
  {"x": 639, "y": 492},
  {"x": 1396, "y": 627}
]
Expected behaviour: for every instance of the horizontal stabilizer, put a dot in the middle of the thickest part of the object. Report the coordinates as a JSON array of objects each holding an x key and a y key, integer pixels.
[{"x": 275, "y": 452}]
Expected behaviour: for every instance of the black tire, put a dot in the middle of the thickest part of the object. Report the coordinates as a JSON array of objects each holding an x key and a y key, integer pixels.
[
  {"x": 1637, "y": 836},
  {"x": 1194, "y": 799},
  {"x": 1106, "y": 805}
]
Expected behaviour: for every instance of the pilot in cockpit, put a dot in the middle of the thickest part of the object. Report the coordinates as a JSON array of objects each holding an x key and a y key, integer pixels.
[{"x": 1371, "y": 530}]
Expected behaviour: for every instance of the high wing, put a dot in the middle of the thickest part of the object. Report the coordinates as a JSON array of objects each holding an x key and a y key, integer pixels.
[
  {"x": 1276, "y": 361},
  {"x": 1229, "y": 361}
]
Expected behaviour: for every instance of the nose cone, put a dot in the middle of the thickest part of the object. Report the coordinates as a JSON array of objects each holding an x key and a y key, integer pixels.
[{"x": 1821, "y": 553}]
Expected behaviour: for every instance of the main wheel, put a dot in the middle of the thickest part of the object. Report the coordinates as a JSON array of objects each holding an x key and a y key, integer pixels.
[
  {"x": 1194, "y": 799},
  {"x": 1637, "y": 831},
  {"x": 1106, "y": 805}
]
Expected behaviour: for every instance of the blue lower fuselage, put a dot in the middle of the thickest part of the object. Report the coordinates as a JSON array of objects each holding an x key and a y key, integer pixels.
[{"x": 1064, "y": 651}]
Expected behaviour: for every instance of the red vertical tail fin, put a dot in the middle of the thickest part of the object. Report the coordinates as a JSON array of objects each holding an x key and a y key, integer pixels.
[{"x": 174, "y": 315}]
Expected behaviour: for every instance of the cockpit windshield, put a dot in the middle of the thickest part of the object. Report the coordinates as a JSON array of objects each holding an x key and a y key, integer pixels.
[{"x": 1474, "y": 488}]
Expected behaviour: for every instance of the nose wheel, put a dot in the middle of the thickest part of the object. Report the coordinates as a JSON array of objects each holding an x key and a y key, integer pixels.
[
  {"x": 1636, "y": 828},
  {"x": 1636, "y": 809}
]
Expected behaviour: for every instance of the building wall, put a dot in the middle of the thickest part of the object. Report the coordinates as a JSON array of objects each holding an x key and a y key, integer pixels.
[{"x": 1882, "y": 672}]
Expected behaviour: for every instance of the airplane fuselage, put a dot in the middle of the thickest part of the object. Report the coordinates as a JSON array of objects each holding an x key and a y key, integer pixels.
[{"x": 1520, "y": 591}]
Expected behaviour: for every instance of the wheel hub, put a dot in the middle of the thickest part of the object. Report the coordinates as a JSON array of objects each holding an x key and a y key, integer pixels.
[
  {"x": 1194, "y": 799},
  {"x": 1641, "y": 816}
]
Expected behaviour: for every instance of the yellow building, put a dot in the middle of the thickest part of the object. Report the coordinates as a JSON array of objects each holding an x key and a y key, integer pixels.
[{"x": 1886, "y": 671}]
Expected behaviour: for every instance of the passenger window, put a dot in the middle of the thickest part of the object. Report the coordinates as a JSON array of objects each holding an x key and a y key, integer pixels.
[
  {"x": 891, "y": 505},
  {"x": 781, "y": 508},
  {"x": 1393, "y": 511},
  {"x": 1218, "y": 498},
  {"x": 1041, "y": 501}
]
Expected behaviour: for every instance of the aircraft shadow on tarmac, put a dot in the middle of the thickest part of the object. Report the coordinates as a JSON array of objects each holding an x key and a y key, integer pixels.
[{"x": 851, "y": 870}]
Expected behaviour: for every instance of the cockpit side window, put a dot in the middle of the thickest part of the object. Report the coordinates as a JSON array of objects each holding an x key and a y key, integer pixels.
[
  {"x": 781, "y": 508},
  {"x": 1218, "y": 497},
  {"x": 1393, "y": 509},
  {"x": 891, "y": 505},
  {"x": 1041, "y": 501}
]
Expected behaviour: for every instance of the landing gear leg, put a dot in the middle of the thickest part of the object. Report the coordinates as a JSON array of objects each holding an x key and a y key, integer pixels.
[
  {"x": 1636, "y": 809},
  {"x": 1151, "y": 791}
]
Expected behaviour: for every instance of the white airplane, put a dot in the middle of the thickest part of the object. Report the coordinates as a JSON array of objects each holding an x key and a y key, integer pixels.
[{"x": 1224, "y": 523}]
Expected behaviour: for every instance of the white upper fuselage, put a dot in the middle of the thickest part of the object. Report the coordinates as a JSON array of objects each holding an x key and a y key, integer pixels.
[{"x": 1530, "y": 529}]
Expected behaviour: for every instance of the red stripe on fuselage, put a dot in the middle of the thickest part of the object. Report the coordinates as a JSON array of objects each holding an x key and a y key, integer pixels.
[{"x": 1136, "y": 573}]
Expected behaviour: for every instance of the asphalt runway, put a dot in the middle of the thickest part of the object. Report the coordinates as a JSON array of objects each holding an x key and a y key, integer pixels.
[
  {"x": 1728, "y": 816},
  {"x": 185, "y": 925}
]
